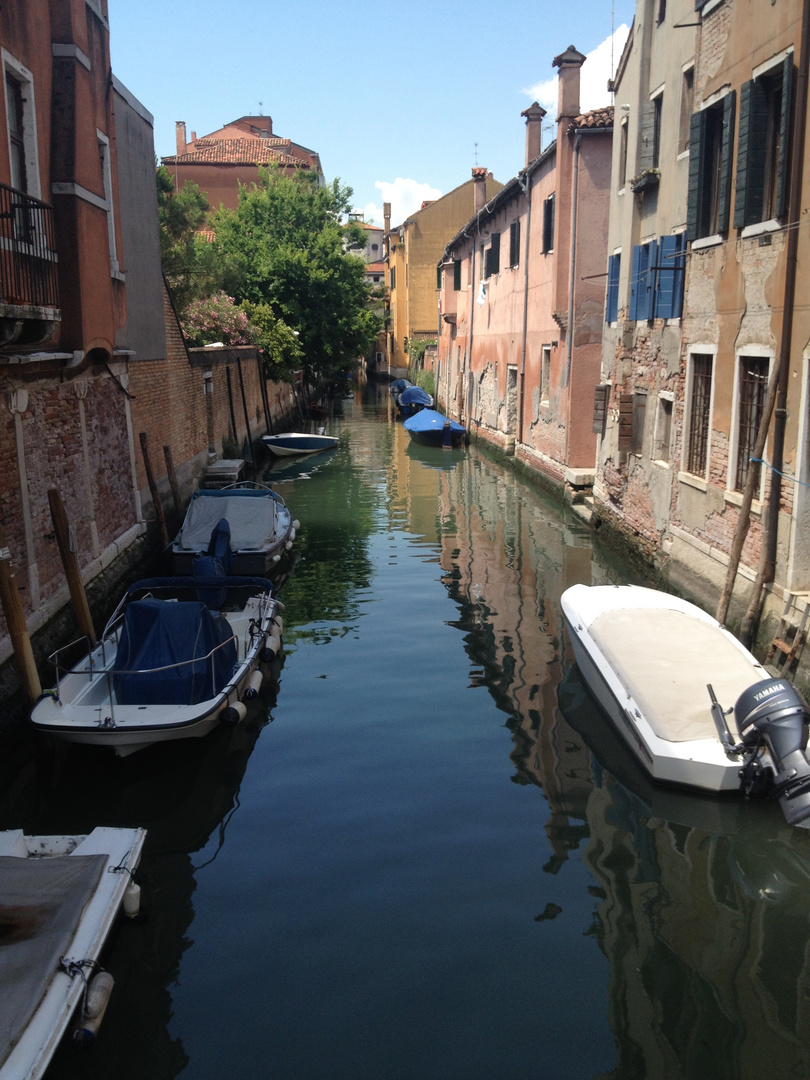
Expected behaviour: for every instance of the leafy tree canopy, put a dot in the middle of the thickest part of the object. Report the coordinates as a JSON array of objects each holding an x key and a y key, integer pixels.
[
  {"x": 187, "y": 258},
  {"x": 284, "y": 250}
]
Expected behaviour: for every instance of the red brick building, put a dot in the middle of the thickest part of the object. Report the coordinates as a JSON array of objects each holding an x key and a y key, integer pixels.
[{"x": 218, "y": 163}]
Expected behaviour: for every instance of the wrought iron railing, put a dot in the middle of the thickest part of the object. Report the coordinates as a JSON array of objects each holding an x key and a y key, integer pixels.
[{"x": 27, "y": 251}]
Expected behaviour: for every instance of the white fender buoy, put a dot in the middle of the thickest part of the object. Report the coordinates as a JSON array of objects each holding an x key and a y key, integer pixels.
[
  {"x": 132, "y": 899},
  {"x": 292, "y": 535},
  {"x": 254, "y": 685},
  {"x": 296, "y": 524},
  {"x": 276, "y": 558},
  {"x": 98, "y": 995},
  {"x": 233, "y": 714},
  {"x": 288, "y": 545}
]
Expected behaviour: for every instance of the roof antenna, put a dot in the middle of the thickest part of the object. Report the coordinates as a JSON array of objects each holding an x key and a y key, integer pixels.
[
  {"x": 476, "y": 154},
  {"x": 262, "y": 114}
]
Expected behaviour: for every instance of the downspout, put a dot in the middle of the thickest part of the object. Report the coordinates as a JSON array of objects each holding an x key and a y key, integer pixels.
[
  {"x": 569, "y": 335},
  {"x": 767, "y": 566},
  {"x": 525, "y": 187},
  {"x": 468, "y": 356}
]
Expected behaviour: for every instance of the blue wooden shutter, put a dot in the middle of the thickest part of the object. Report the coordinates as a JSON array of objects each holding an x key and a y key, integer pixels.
[
  {"x": 635, "y": 279},
  {"x": 669, "y": 281},
  {"x": 612, "y": 300}
]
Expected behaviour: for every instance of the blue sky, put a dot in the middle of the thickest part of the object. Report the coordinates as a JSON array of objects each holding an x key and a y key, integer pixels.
[{"x": 400, "y": 100}]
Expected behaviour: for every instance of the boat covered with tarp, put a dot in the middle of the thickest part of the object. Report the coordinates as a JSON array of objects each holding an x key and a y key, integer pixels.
[{"x": 433, "y": 429}]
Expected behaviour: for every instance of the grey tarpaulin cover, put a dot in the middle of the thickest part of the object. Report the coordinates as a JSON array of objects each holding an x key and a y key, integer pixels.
[
  {"x": 41, "y": 904},
  {"x": 252, "y": 522}
]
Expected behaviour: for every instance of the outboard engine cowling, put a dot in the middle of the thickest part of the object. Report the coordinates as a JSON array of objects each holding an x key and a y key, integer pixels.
[{"x": 772, "y": 714}]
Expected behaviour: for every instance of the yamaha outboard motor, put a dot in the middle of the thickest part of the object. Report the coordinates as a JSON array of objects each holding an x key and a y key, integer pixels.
[{"x": 772, "y": 715}]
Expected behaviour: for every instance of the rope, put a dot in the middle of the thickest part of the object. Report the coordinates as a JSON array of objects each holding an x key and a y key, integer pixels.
[
  {"x": 785, "y": 476},
  {"x": 72, "y": 968}
]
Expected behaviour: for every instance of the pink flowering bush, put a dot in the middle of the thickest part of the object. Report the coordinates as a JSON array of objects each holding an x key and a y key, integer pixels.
[{"x": 218, "y": 318}]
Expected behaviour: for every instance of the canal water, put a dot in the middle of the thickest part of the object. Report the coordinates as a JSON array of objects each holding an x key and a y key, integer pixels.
[{"x": 423, "y": 856}]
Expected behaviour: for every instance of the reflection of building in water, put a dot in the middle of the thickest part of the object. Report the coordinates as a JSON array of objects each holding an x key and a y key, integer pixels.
[{"x": 704, "y": 922}]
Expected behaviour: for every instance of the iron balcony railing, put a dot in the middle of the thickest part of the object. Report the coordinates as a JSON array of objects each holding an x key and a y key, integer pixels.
[{"x": 27, "y": 251}]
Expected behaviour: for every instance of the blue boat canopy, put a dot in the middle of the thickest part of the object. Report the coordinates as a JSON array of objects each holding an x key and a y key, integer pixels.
[
  {"x": 177, "y": 638},
  {"x": 415, "y": 395}
]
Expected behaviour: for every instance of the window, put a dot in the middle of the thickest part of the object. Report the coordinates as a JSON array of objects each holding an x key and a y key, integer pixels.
[
  {"x": 642, "y": 281},
  {"x": 700, "y": 400},
  {"x": 492, "y": 262},
  {"x": 548, "y": 224},
  {"x": 21, "y": 126},
  {"x": 658, "y": 105},
  {"x": 639, "y": 418},
  {"x": 439, "y": 274},
  {"x": 514, "y": 243},
  {"x": 687, "y": 101},
  {"x": 545, "y": 373},
  {"x": 393, "y": 278},
  {"x": 622, "y": 178},
  {"x": 709, "y": 191},
  {"x": 14, "y": 112},
  {"x": 662, "y": 11},
  {"x": 669, "y": 275},
  {"x": 764, "y": 145},
  {"x": 456, "y": 275},
  {"x": 612, "y": 298},
  {"x": 751, "y": 388},
  {"x": 650, "y": 144},
  {"x": 663, "y": 428}
]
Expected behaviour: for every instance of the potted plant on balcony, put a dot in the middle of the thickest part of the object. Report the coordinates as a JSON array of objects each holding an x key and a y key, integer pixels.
[{"x": 647, "y": 178}]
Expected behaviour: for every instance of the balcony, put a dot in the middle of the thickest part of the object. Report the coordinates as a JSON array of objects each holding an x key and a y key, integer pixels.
[{"x": 29, "y": 294}]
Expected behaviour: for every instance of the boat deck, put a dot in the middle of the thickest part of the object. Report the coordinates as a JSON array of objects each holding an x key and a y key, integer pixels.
[{"x": 673, "y": 657}]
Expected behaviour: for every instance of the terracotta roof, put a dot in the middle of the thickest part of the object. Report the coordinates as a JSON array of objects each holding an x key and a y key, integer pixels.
[
  {"x": 596, "y": 118},
  {"x": 375, "y": 268},
  {"x": 246, "y": 151}
]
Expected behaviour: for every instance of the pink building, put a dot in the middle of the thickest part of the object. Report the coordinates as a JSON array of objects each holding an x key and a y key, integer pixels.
[{"x": 527, "y": 267}]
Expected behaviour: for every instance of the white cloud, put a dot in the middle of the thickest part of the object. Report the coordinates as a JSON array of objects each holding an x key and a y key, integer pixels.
[
  {"x": 405, "y": 196},
  {"x": 599, "y": 66}
]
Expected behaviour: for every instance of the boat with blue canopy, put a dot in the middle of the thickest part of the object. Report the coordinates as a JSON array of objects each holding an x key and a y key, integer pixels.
[
  {"x": 432, "y": 429},
  {"x": 412, "y": 400}
]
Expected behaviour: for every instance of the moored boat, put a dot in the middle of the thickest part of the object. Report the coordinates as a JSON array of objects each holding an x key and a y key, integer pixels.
[
  {"x": 260, "y": 529},
  {"x": 60, "y": 896},
  {"x": 177, "y": 657},
  {"x": 667, "y": 674},
  {"x": 412, "y": 400},
  {"x": 298, "y": 442},
  {"x": 432, "y": 429}
]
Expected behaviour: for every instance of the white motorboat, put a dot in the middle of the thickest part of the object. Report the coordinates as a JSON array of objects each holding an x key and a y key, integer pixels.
[
  {"x": 177, "y": 657},
  {"x": 668, "y": 674},
  {"x": 291, "y": 443},
  {"x": 259, "y": 530},
  {"x": 59, "y": 897}
]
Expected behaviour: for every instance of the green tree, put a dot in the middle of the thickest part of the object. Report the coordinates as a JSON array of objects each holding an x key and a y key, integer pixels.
[
  {"x": 186, "y": 254},
  {"x": 284, "y": 248}
]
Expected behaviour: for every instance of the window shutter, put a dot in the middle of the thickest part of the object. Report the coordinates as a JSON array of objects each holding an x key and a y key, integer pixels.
[
  {"x": 725, "y": 166},
  {"x": 635, "y": 282},
  {"x": 600, "y": 407},
  {"x": 456, "y": 275},
  {"x": 783, "y": 164},
  {"x": 548, "y": 224},
  {"x": 514, "y": 243},
  {"x": 669, "y": 281},
  {"x": 647, "y": 298},
  {"x": 439, "y": 276},
  {"x": 696, "y": 127},
  {"x": 749, "y": 193},
  {"x": 646, "y": 158},
  {"x": 612, "y": 300},
  {"x": 625, "y": 423},
  {"x": 495, "y": 254}
]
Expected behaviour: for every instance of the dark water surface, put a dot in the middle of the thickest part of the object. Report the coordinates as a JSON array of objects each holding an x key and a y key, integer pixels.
[{"x": 423, "y": 856}]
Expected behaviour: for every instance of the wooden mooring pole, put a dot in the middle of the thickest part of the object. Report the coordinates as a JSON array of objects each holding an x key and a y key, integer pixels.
[
  {"x": 167, "y": 454},
  {"x": 17, "y": 629},
  {"x": 158, "y": 505},
  {"x": 67, "y": 551}
]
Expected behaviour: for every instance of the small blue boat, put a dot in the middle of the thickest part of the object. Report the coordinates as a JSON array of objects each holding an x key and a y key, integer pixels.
[
  {"x": 431, "y": 428},
  {"x": 412, "y": 400},
  {"x": 298, "y": 442}
]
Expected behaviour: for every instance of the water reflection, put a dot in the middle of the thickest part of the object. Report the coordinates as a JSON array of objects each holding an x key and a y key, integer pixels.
[{"x": 702, "y": 904}]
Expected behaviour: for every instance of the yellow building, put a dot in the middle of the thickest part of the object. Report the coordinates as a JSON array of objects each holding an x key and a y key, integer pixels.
[{"x": 413, "y": 250}]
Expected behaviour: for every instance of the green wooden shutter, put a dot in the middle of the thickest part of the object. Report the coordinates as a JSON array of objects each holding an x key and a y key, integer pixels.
[
  {"x": 751, "y": 165},
  {"x": 647, "y": 141},
  {"x": 729, "y": 102},
  {"x": 456, "y": 275},
  {"x": 785, "y": 128},
  {"x": 696, "y": 128}
]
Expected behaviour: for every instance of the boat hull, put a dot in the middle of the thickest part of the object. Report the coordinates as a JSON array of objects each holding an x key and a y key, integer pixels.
[
  {"x": 293, "y": 443},
  {"x": 117, "y": 853},
  {"x": 429, "y": 428},
  {"x": 629, "y": 644}
]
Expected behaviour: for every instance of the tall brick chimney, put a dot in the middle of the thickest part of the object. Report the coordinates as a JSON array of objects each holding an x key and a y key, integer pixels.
[
  {"x": 569, "y": 64},
  {"x": 180, "y": 136},
  {"x": 387, "y": 216},
  {"x": 479, "y": 175},
  {"x": 535, "y": 114}
]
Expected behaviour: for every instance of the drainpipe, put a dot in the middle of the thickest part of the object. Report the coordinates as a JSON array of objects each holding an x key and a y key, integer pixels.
[
  {"x": 569, "y": 343},
  {"x": 468, "y": 358},
  {"x": 767, "y": 566},
  {"x": 525, "y": 187}
]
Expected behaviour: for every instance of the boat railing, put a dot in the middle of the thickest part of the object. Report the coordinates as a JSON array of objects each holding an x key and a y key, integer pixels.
[
  {"x": 253, "y": 485},
  {"x": 99, "y": 670}
]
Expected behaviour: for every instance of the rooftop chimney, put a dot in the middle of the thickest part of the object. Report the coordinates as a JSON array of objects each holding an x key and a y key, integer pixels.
[
  {"x": 479, "y": 175},
  {"x": 569, "y": 64},
  {"x": 387, "y": 216},
  {"x": 180, "y": 136},
  {"x": 535, "y": 114}
]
